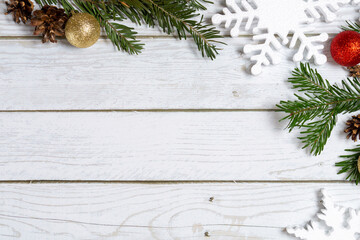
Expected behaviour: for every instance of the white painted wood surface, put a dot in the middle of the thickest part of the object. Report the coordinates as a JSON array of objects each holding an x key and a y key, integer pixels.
[
  {"x": 165, "y": 115},
  {"x": 161, "y": 211},
  {"x": 160, "y": 146},
  {"x": 168, "y": 75}
]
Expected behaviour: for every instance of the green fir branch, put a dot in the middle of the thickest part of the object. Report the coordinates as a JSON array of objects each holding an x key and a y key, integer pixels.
[
  {"x": 172, "y": 16},
  {"x": 316, "y": 109},
  {"x": 123, "y": 37},
  {"x": 318, "y": 132},
  {"x": 197, "y": 4},
  {"x": 351, "y": 26},
  {"x": 350, "y": 165}
]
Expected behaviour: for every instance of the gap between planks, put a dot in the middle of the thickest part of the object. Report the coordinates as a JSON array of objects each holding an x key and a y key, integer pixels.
[
  {"x": 167, "y": 182},
  {"x": 142, "y": 110},
  {"x": 136, "y": 226}
]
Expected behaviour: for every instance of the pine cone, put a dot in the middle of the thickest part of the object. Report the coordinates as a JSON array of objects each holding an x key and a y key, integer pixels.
[
  {"x": 354, "y": 71},
  {"x": 21, "y": 9},
  {"x": 50, "y": 22},
  {"x": 353, "y": 129}
]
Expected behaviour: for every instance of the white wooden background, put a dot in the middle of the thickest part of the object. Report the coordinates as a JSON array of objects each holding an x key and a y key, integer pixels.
[{"x": 99, "y": 145}]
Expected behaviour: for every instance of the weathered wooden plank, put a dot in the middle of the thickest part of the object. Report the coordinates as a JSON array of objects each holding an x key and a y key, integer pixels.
[
  {"x": 168, "y": 75},
  {"x": 159, "y": 146},
  {"x": 161, "y": 212},
  {"x": 9, "y": 28}
]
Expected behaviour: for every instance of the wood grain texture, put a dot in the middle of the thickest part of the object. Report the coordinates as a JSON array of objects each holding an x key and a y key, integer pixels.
[
  {"x": 8, "y": 28},
  {"x": 161, "y": 212},
  {"x": 160, "y": 146},
  {"x": 168, "y": 75}
]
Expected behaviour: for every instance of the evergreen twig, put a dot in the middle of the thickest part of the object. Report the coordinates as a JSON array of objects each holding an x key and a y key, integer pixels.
[
  {"x": 350, "y": 165},
  {"x": 172, "y": 16},
  {"x": 316, "y": 109},
  {"x": 351, "y": 26},
  {"x": 123, "y": 37}
]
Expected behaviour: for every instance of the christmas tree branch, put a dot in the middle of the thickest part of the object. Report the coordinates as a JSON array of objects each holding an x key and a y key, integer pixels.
[
  {"x": 172, "y": 16},
  {"x": 317, "y": 133},
  {"x": 351, "y": 26},
  {"x": 351, "y": 165},
  {"x": 196, "y": 4},
  {"x": 316, "y": 109},
  {"x": 123, "y": 37}
]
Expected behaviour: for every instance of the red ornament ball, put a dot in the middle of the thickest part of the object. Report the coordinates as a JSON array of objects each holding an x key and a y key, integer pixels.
[{"x": 345, "y": 48}]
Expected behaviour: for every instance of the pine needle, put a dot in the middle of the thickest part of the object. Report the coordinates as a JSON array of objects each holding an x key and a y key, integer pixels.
[
  {"x": 350, "y": 165},
  {"x": 172, "y": 16},
  {"x": 315, "y": 111},
  {"x": 351, "y": 26}
]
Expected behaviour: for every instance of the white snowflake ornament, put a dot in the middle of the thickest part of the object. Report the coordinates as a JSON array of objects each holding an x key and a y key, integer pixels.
[
  {"x": 333, "y": 223},
  {"x": 276, "y": 20}
]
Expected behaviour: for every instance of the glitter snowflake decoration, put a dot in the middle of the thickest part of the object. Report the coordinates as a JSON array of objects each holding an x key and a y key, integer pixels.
[
  {"x": 333, "y": 223},
  {"x": 276, "y": 20}
]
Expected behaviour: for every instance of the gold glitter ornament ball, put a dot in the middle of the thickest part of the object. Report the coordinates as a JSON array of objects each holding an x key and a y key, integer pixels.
[{"x": 82, "y": 30}]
